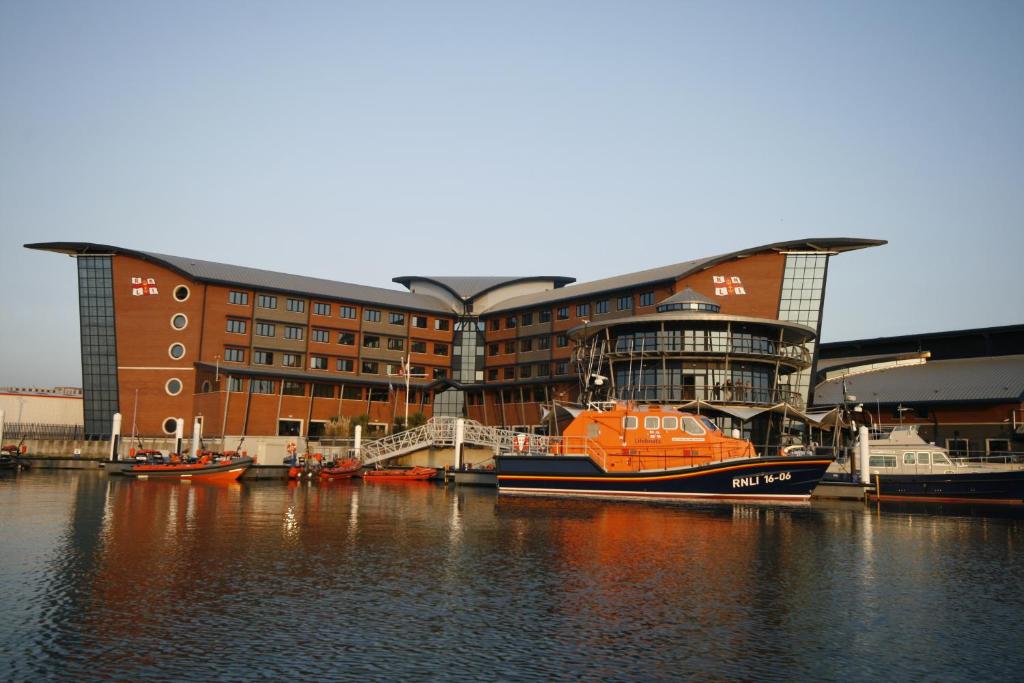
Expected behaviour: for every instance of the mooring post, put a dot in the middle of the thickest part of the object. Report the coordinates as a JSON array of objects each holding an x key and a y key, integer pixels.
[
  {"x": 460, "y": 437},
  {"x": 197, "y": 435},
  {"x": 358, "y": 441},
  {"x": 179, "y": 434},
  {"x": 115, "y": 438},
  {"x": 863, "y": 452}
]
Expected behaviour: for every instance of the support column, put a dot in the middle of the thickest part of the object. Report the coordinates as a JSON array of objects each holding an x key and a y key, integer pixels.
[
  {"x": 179, "y": 433},
  {"x": 863, "y": 453},
  {"x": 197, "y": 435},
  {"x": 460, "y": 437},
  {"x": 358, "y": 437}
]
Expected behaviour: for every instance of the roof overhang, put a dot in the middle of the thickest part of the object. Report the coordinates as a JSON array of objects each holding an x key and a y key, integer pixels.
[{"x": 793, "y": 330}]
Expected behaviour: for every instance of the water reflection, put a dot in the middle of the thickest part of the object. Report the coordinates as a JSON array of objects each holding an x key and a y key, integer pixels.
[{"x": 128, "y": 580}]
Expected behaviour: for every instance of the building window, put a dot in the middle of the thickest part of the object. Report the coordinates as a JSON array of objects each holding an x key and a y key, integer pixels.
[
  {"x": 238, "y": 298},
  {"x": 396, "y": 344},
  {"x": 265, "y": 330},
  {"x": 321, "y": 309},
  {"x": 377, "y": 395},
  {"x": 442, "y": 325},
  {"x": 322, "y": 336},
  {"x": 510, "y": 347},
  {"x": 601, "y": 307},
  {"x": 296, "y": 305},
  {"x": 997, "y": 446},
  {"x": 543, "y": 343},
  {"x": 440, "y": 373},
  {"x": 318, "y": 363},
  {"x": 176, "y": 351},
  {"x": 234, "y": 355},
  {"x": 179, "y": 321},
  {"x": 352, "y": 393},
  {"x": 263, "y": 357},
  {"x": 291, "y": 360},
  {"x": 624, "y": 303},
  {"x": 347, "y": 312},
  {"x": 492, "y": 350},
  {"x": 543, "y": 370},
  {"x": 321, "y": 390},
  {"x": 958, "y": 448},
  {"x": 510, "y": 322},
  {"x": 396, "y": 318},
  {"x": 492, "y": 374},
  {"x": 525, "y": 345},
  {"x": 266, "y": 301},
  {"x": 418, "y": 347},
  {"x": 293, "y": 388},
  {"x": 371, "y": 316},
  {"x": 545, "y": 316},
  {"x": 371, "y": 341},
  {"x": 525, "y": 371},
  {"x": 418, "y": 371},
  {"x": 236, "y": 326},
  {"x": 419, "y": 321},
  {"x": 181, "y": 293},
  {"x": 510, "y": 373},
  {"x": 495, "y": 325},
  {"x": 171, "y": 425},
  {"x": 173, "y": 386},
  {"x": 371, "y": 367},
  {"x": 563, "y": 312},
  {"x": 647, "y": 299},
  {"x": 234, "y": 383},
  {"x": 440, "y": 349},
  {"x": 527, "y": 319},
  {"x": 561, "y": 341},
  {"x": 561, "y": 368},
  {"x": 582, "y": 310},
  {"x": 347, "y": 338},
  {"x": 292, "y": 332},
  {"x": 346, "y": 365},
  {"x": 261, "y": 386}
]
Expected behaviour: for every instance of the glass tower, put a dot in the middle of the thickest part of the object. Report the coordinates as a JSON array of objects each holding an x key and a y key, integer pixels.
[
  {"x": 467, "y": 366},
  {"x": 99, "y": 350},
  {"x": 803, "y": 285}
]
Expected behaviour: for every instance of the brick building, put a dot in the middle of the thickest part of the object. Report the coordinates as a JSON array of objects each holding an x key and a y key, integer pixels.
[{"x": 254, "y": 352}]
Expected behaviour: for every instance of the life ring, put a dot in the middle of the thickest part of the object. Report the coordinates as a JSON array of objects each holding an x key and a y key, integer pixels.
[{"x": 521, "y": 443}]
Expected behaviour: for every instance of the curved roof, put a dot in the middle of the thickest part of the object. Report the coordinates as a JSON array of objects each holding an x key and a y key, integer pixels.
[
  {"x": 678, "y": 270},
  {"x": 795, "y": 332},
  {"x": 991, "y": 379},
  {"x": 688, "y": 296},
  {"x": 471, "y": 286},
  {"x": 230, "y": 275}
]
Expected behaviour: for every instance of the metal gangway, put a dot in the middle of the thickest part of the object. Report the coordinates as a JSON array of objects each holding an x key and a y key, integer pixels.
[{"x": 441, "y": 432}]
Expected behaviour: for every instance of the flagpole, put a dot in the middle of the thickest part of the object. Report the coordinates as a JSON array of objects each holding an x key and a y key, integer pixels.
[{"x": 405, "y": 369}]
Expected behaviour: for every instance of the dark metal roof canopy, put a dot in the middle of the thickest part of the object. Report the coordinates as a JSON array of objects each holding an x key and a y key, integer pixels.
[
  {"x": 470, "y": 287},
  {"x": 267, "y": 280}
]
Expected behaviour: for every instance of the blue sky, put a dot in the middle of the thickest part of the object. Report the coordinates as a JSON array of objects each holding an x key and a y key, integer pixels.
[{"x": 363, "y": 140}]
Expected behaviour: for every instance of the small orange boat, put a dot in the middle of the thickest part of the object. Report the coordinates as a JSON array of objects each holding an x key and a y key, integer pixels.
[
  {"x": 344, "y": 469},
  {"x": 206, "y": 470},
  {"x": 412, "y": 474}
]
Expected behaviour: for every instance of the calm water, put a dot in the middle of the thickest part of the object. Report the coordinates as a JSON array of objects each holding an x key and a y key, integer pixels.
[{"x": 110, "y": 579}]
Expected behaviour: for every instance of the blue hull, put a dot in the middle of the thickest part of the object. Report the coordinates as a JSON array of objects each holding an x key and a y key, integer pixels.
[{"x": 771, "y": 478}]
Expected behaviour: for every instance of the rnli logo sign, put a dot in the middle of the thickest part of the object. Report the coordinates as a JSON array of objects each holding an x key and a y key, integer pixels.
[
  {"x": 142, "y": 287},
  {"x": 724, "y": 286}
]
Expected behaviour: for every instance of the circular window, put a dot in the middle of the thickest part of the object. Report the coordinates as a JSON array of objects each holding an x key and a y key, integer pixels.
[
  {"x": 179, "y": 321},
  {"x": 181, "y": 293},
  {"x": 173, "y": 386},
  {"x": 206, "y": 387},
  {"x": 176, "y": 351},
  {"x": 170, "y": 425}
]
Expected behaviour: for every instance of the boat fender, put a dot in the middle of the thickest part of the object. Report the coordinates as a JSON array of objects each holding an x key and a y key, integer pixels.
[{"x": 24, "y": 449}]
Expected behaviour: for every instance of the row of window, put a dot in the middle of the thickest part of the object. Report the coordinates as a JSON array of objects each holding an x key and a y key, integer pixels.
[
  {"x": 528, "y": 371},
  {"x": 622, "y": 303},
  {"x": 294, "y": 360},
  {"x": 541, "y": 343},
  {"x": 370, "y": 341},
  {"x": 269, "y": 301}
]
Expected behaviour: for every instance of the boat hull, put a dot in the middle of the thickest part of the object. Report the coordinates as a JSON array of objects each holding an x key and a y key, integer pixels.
[
  {"x": 990, "y": 488},
  {"x": 770, "y": 478},
  {"x": 414, "y": 474},
  {"x": 206, "y": 472}
]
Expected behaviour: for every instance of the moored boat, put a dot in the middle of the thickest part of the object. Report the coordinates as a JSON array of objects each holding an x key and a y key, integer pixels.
[
  {"x": 619, "y": 450},
  {"x": 344, "y": 469},
  {"x": 206, "y": 469},
  {"x": 410, "y": 474},
  {"x": 904, "y": 467}
]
